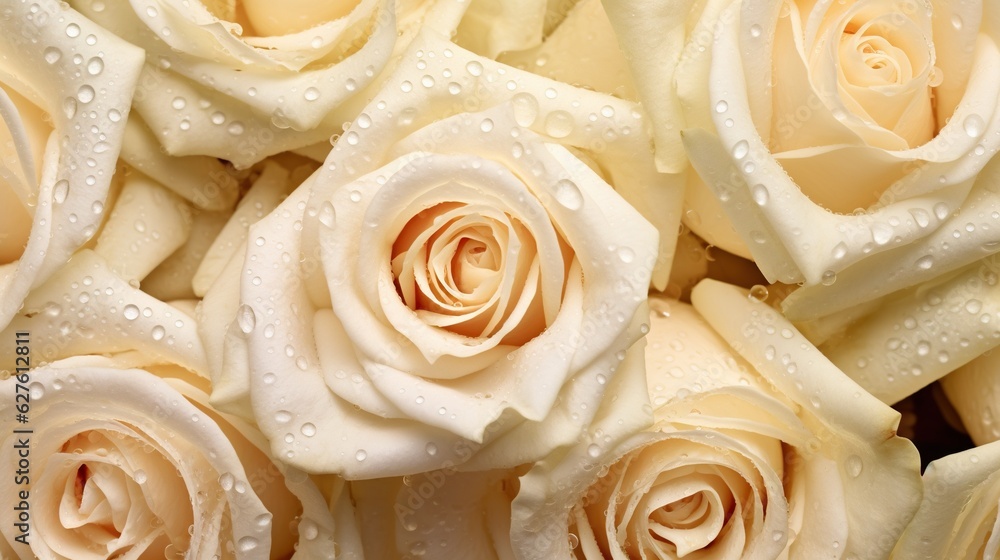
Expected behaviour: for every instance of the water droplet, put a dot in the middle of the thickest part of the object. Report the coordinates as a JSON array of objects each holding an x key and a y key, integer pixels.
[
  {"x": 308, "y": 429},
  {"x": 956, "y": 22},
  {"x": 69, "y": 107},
  {"x": 568, "y": 194},
  {"x": 246, "y": 318},
  {"x": 974, "y": 125},
  {"x": 361, "y": 455},
  {"x": 486, "y": 125},
  {"x": 178, "y": 103},
  {"x": 352, "y": 138},
  {"x": 308, "y": 529},
  {"x": 777, "y": 536},
  {"x": 73, "y": 30},
  {"x": 559, "y": 124},
  {"x": 52, "y": 55},
  {"x": 282, "y": 417},
  {"x": 881, "y": 233},
  {"x": 218, "y": 117},
  {"x": 454, "y": 88},
  {"x": 158, "y": 332},
  {"x": 941, "y": 210},
  {"x": 925, "y": 262},
  {"x": 60, "y": 191},
  {"x": 755, "y": 30},
  {"x": 328, "y": 215},
  {"x": 131, "y": 312},
  {"x": 626, "y": 255},
  {"x": 829, "y": 278},
  {"x": 973, "y": 306},
  {"x": 36, "y": 391},
  {"x": 85, "y": 94},
  {"x": 246, "y": 544},
  {"x": 95, "y": 66},
  {"x": 594, "y": 450},
  {"x": 363, "y": 121},
  {"x": 741, "y": 149},
  {"x": 139, "y": 476},
  {"x": 226, "y": 481},
  {"x": 525, "y": 109},
  {"x": 721, "y": 107},
  {"x": 431, "y": 449},
  {"x": 236, "y": 128},
  {"x": 760, "y": 194},
  {"x": 311, "y": 94},
  {"x": 758, "y": 292}
]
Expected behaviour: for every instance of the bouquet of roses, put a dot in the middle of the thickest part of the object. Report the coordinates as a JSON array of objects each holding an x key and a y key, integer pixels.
[{"x": 521, "y": 279}]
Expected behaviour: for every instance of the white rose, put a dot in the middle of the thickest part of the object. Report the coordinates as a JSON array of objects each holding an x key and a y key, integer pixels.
[
  {"x": 796, "y": 113},
  {"x": 246, "y": 79},
  {"x": 451, "y": 288},
  {"x": 761, "y": 449},
  {"x": 65, "y": 89},
  {"x": 124, "y": 464},
  {"x": 958, "y": 515},
  {"x": 895, "y": 345}
]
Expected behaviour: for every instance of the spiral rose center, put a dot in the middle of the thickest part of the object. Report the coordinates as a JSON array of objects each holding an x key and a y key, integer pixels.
[{"x": 465, "y": 268}]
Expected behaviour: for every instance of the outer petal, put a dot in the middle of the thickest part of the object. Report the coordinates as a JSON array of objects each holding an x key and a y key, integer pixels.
[
  {"x": 958, "y": 516},
  {"x": 88, "y": 111}
]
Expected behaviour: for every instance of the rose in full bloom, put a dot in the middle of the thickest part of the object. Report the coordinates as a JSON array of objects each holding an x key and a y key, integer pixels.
[
  {"x": 761, "y": 449},
  {"x": 63, "y": 105},
  {"x": 246, "y": 79},
  {"x": 459, "y": 283},
  {"x": 126, "y": 464},
  {"x": 958, "y": 515},
  {"x": 835, "y": 141}
]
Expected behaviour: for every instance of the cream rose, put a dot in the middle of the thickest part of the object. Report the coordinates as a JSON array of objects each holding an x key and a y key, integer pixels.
[
  {"x": 451, "y": 287},
  {"x": 760, "y": 449},
  {"x": 897, "y": 344},
  {"x": 124, "y": 464},
  {"x": 958, "y": 515},
  {"x": 63, "y": 106},
  {"x": 243, "y": 80},
  {"x": 795, "y": 114}
]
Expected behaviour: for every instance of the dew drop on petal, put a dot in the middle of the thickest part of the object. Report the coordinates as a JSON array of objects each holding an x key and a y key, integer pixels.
[
  {"x": 60, "y": 191},
  {"x": 853, "y": 466},
  {"x": 758, "y": 292},
  {"x": 328, "y": 215},
  {"x": 131, "y": 312},
  {"x": 525, "y": 109},
  {"x": 559, "y": 124},
  {"x": 52, "y": 55},
  {"x": 568, "y": 194},
  {"x": 974, "y": 125},
  {"x": 246, "y": 318}
]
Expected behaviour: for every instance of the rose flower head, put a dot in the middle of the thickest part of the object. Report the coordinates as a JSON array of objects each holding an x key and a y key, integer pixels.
[
  {"x": 761, "y": 449},
  {"x": 836, "y": 142},
  {"x": 459, "y": 283}
]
